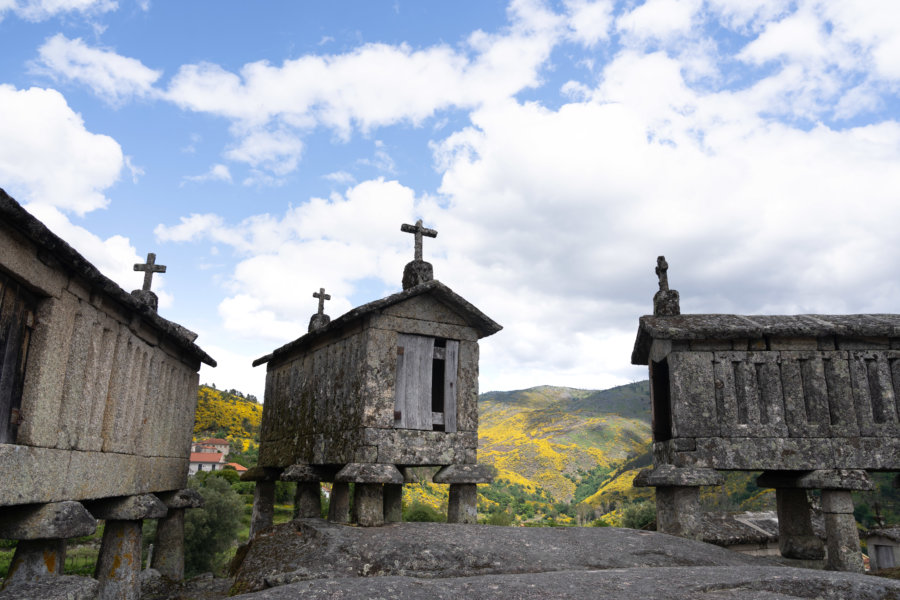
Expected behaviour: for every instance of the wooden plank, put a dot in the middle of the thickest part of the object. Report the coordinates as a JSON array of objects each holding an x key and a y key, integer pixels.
[
  {"x": 414, "y": 379},
  {"x": 451, "y": 366},
  {"x": 16, "y": 319},
  {"x": 400, "y": 412}
]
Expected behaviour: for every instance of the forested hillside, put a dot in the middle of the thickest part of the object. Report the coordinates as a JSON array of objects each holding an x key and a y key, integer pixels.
[{"x": 563, "y": 456}]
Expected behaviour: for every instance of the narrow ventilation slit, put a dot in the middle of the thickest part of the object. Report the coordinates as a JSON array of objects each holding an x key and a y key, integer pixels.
[
  {"x": 740, "y": 393},
  {"x": 830, "y": 385},
  {"x": 876, "y": 394},
  {"x": 764, "y": 398}
]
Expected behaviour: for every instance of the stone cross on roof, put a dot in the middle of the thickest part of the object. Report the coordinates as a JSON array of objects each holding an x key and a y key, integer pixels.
[
  {"x": 666, "y": 302},
  {"x": 419, "y": 231},
  {"x": 149, "y": 268},
  {"x": 322, "y": 296},
  {"x": 320, "y": 319},
  {"x": 662, "y": 268}
]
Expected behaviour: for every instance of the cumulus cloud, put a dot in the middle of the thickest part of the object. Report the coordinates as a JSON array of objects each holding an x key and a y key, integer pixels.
[
  {"x": 112, "y": 77},
  {"x": 218, "y": 172},
  {"x": 42, "y": 135},
  {"x": 41, "y": 10}
]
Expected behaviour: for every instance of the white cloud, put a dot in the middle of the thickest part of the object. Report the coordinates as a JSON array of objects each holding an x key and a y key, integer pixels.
[
  {"x": 278, "y": 151},
  {"x": 218, "y": 172},
  {"x": 48, "y": 157},
  {"x": 112, "y": 77},
  {"x": 659, "y": 19},
  {"x": 589, "y": 21},
  {"x": 41, "y": 10}
]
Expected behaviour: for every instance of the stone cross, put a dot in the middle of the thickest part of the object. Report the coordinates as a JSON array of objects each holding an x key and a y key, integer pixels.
[
  {"x": 322, "y": 296},
  {"x": 419, "y": 231},
  {"x": 149, "y": 268},
  {"x": 661, "y": 271}
]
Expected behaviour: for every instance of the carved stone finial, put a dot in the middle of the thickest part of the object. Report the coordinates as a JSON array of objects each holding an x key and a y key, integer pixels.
[
  {"x": 665, "y": 301},
  {"x": 144, "y": 294},
  {"x": 418, "y": 271},
  {"x": 320, "y": 319}
]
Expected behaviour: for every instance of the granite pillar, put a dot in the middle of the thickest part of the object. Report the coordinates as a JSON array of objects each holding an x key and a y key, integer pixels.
[
  {"x": 36, "y": 559},
  {"x": 795, "y": 533},
  {"x": 368, "y": 501},
  {"x": 308, "y": 500},
  {"x": 119, "y": 562},
  {"x": 844, "y": 553},
  {"x": 263, "y": 507},
  {"x": 168, "y": 557},
  {"x": 393, "y": 502},
  {"x": 463, "y": 503},
  {"x": 678, "y": 511},
  {"x": 339, "y": 505}
]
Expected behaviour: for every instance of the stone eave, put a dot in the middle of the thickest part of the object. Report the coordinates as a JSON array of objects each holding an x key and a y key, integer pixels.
[
  {"x": 476, "y": 319},
  {"x": 55, "y": 248},
  {"x": 732, "y": 327}
]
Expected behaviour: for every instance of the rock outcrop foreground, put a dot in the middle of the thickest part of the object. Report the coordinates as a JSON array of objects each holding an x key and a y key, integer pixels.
[{"x": 311, "y": 558}]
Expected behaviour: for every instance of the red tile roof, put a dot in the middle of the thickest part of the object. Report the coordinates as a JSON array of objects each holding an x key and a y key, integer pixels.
[
  {"x": 236, "y": 467},
  {"x": 206, "y": 457},
  {"x": 216, "y": 441}
]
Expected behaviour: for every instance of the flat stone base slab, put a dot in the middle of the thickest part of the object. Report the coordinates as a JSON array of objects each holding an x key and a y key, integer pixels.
[{"x": 441, "y": 561}]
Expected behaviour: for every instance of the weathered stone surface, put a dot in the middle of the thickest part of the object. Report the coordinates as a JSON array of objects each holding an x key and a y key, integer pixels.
[
  {"x": 339, "y": 503},
  {"x": 263, "y": 506},
  {"x": 119, "y": 562},
  {"x": 368, "y": 503},
  {"x": 168, "y": 549},
  {"x": 36, "y": 560},
  {"x": 796, "y": 538},
  {"x": 841, "y": 534},
  {"x": 45, "y": 521},
  {"x": 832, "y": 479},
  {"x": 260, "y": 474},
  {"x": 693, "y": 395},
  {"x": 64, "y": 587},
  {"x": 416, "y": 273},
  {"x": 308, "y": 500},
  {"x": 465, "y": 474},
  {"x": 129, "y": 508},
  {"x": 369, "y": 473},
  {"x": 462, "y": 505},
  {"x": 678, "y": 511},
  {"x": 668, "y": 475},
  {"x": 672, "y": 583},
  {"x": 306, "y": 474},
  {"x": 186, "y": 498},
  {"x": 491, "y": 560}
]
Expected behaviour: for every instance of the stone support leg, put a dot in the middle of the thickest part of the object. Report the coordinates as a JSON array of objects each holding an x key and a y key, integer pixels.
[
  {"x": 168, "y": 554},
  {"x": 678, "y": 510},
  {"x": 119, "y": 563},
  {"x": 339, "y": 505},
  {"x": 263, "y": 507},
  {"x": 795, "y": 533},
  {"x": 36, "y": 559},
  {"x": 368, "y": 500},
  {"x": 393, "y": 502},
  {"x": 463, "y": 503},
  {"x": 308, "y": 500},
  {"x": 842, "y": 536}
]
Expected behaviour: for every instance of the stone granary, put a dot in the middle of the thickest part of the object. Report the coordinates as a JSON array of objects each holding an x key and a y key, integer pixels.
[
  {"x": 389, "y": 385},
  {"x": 97, "y": 400},
  {"x": 810, "y": 400}
]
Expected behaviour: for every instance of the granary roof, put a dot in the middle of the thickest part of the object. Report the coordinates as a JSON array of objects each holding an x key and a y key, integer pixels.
[
  {"x": 12, "y": 214},
  {"x": 731, "y": 529},
  {"x": 891, "y": 533},
  {"x": 476, "y": 319},
  {"x": 729, "y": 327}
]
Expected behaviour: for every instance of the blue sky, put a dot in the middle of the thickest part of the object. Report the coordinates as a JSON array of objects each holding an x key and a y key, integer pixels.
[{"x": 264, "y": 150}]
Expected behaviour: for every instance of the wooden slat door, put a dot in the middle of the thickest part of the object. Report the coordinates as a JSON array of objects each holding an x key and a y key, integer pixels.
[
  {"x": 451, "y": 364},
  {"x": 16, "y": 320},
  {"x": 412, "y": 398}
]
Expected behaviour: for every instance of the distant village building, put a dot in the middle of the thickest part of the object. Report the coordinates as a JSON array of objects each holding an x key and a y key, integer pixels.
[
  {"x": 883, "y": 544},
  {"x": 206, "y": 461},
  {"x": 212, "y": 445},
  {"x": 749, "y": 532},
  {"x": 810, "y": 400},
  {"x": 97, "y": 401},
  {"x": 389, "y": 385}
]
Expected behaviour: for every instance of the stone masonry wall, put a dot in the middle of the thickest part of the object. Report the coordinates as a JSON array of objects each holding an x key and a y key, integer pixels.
[{"x": 107, "y": 403}]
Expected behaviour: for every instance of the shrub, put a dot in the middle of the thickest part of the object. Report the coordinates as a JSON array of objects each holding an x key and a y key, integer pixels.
[
  {"x": 423, "y": 513},
  {"x": 210, "y": 531},
  {"x": 639, "y": 515}
]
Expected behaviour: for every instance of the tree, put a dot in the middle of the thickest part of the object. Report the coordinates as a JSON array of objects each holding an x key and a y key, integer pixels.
[
  {"x": 639, "y": 515},
  {"x": 211, "y": 530}
]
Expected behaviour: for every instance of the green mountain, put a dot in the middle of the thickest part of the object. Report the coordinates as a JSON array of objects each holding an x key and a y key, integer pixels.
[{"x": 551, "y": 438}]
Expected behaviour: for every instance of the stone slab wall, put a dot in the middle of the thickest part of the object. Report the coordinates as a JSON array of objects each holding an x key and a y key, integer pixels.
[
  {"x": 784, "y": 409},
  {"x": 108, "y": 402},
  {"x": 334, "y": 403}
]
